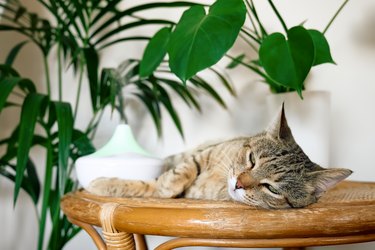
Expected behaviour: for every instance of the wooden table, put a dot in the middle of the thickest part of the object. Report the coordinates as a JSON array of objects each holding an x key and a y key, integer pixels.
[{"x": 346, "y": 214}]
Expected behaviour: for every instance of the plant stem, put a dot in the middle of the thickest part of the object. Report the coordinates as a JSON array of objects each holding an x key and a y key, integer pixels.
[
  {"x": 278, "y": 16},
  {"x": 48, "y": 81},
  {"x": 248, "y": 42},
  {"x": 259, "y": 72},
  {"x": 251, "y": 18},
  {"x": 254, "y": 11},
  {"x": 334, "y": 17},
  {"x": 251, "y": 36},
  {"x": 59, "y": 71},
  {"x": 46, "y": 194}
]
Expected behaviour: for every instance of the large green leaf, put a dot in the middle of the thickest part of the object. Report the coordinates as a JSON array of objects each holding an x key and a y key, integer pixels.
[
  {"x": 288, "y": 62},
  {"x": 200, "y": 40},
  {"x": 30, "y": 111},
  {"x": 155, "y": 52},
  {"x": 322, "y": 51},
  {"x": 65, "y": 129}
]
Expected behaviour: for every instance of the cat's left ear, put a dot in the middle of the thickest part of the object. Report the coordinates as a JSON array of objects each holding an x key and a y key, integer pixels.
[
  {"x": 279, "y": 128},
  {"x": 327, "y": 178}
]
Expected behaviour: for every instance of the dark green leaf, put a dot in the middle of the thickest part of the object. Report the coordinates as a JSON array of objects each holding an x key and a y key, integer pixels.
[
  {"x": 33, "y": 21},
  {"x": 6, "y": 87},
  {"x": 124, "y": 39},
  {"x": 27, "y": 86},
  {"x": 131, "y": 25},
  {"x": 322, "y": 51},
  {"x": 29, "y": 114},
  {"x": 6, "y": 70},
  {"x": 166, "y": 101},
  {"x": 25, "y": 185},
  {"x": 201, "y": 83},
  {"x": 224, "y": 80},
  {"x": 46, "y": 194},
  {"x": 65, "y": 129},
  {"x": 82, "y": 145},
  {"x": 14, "y": 52},
  {"x": 236, "y": 61},
  {"x": 155, "y": 52},
  {"x": 92, "y": 64},
  {"x": 143, "y": 7},
  {"x": 20, "y": 12},
  {"x": 182, "y": 90},
  {"x": 198, "y": 43},
  {"x": 33, "y": 178},
  {"x": 288, "y": 62}
]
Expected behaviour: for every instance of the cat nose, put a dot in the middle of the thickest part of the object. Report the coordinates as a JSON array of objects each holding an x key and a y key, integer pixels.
[
  {"x": 245, "y": 180},
  {"x": 239, "y": 185}
]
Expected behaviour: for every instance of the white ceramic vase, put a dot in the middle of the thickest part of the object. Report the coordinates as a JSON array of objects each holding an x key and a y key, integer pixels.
[
  {"x": 309, "y": 120},
  {"x": 121, "y": 157}
]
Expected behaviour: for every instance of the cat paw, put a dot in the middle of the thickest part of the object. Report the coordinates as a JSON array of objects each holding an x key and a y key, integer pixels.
[{"x": 103, "y": 186}]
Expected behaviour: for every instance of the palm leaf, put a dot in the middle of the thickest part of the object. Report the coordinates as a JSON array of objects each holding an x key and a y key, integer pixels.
[
  {"x": 14, "y": 52},
  {"x": 30, "y": 112},
  {"x": 64, "y": 116}
]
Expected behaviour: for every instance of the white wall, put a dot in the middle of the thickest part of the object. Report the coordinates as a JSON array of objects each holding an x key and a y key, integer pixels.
[{"x": 351, "y": 84}]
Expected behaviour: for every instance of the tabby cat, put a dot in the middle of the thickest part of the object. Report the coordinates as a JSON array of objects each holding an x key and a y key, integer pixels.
[{"x": 267, "y": 170}]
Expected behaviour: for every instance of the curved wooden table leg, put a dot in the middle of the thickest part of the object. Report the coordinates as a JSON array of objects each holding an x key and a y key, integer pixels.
[
  {"x": 113, "y": 238},
  {"x": 92, "y": 232},
  {"x": 140, "y": 242}
]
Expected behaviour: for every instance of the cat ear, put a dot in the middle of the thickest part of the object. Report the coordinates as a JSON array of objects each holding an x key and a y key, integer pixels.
[
  {"x": 279, "y": 127},
  {"x": 328, "y": 178}
]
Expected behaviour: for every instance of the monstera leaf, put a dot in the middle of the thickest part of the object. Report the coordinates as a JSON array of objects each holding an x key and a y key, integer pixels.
[
  {"x": 288, "y": 62},
  {"x": 155, "y": 52},
  {"x": 201, "y": 39},
  {"x": 322, "y": 51}
]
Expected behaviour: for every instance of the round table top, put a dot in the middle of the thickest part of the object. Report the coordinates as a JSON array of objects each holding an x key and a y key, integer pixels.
[{"x": 348, "y": 210}]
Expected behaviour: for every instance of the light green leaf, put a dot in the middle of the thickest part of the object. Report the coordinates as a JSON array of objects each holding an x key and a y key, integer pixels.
[{"x": 200, "y": 40}]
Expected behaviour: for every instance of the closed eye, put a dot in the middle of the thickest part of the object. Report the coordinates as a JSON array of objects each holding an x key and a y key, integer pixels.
[
  {"x": 270, "y": 188},
  {"x": 252, "y": 159}
]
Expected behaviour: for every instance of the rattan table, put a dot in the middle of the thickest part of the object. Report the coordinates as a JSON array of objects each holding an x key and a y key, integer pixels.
[{"x": 346, "y": 214}]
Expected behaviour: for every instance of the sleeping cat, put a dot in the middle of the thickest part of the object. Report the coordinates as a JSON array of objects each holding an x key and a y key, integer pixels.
[{"x": 267, "y": 170}]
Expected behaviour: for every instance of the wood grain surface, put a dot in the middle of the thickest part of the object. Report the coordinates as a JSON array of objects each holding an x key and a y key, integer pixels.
[{"x": 345, "y": 214}]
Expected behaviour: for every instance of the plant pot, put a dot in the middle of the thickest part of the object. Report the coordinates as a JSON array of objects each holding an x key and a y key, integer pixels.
[
  {"x": 121, "y": 157},
  {"x": 309, "y": 120}
]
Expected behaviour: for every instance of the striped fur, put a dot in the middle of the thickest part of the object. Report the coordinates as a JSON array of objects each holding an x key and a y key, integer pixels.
[{"x": 268, "y": 170}]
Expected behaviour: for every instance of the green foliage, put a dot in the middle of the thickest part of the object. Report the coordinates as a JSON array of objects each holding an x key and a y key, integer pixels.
[
  {"x": 198, "y": 41},
  {"x": 76, "y": 34},
  {"x": 285, "y": 60},
  {"x": 288, "y": 62}
]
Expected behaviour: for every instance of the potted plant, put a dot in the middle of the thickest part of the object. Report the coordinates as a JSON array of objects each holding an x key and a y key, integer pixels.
[
  {"x": 284, "y": 61},
  {"x": 75, "y": 36}
]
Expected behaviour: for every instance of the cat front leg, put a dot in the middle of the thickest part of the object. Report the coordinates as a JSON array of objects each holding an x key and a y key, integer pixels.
[
  {"x": 176, "y": 180},
  {"x": 121, "y": 188}
]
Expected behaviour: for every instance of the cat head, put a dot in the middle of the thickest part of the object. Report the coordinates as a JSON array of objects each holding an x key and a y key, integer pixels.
[{"x": 272, "y": 171}]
